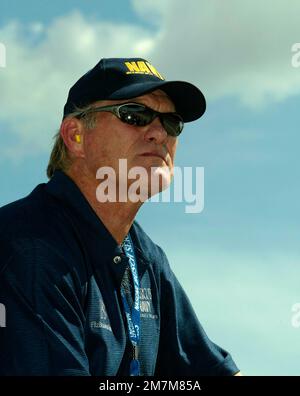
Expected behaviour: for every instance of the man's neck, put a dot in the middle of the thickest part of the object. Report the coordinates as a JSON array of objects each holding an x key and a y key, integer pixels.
[{"x": 116, "y": 216}]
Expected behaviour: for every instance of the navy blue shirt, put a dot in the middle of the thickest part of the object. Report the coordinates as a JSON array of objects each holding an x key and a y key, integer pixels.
[{"x": 60, "y": 277}]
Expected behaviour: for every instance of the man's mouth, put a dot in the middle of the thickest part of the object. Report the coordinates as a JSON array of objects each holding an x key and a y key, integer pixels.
[{"x": 152, "y": 154}]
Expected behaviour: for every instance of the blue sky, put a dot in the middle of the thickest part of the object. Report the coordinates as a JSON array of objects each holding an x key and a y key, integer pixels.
[{"x": 239, "y": 258}]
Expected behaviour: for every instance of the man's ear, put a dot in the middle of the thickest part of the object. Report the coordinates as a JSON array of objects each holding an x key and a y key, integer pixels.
[{"x": 71, "y": 131}]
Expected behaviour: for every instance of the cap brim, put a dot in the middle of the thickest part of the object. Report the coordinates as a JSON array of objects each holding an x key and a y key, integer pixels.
[{"x": 188, "y": 99}]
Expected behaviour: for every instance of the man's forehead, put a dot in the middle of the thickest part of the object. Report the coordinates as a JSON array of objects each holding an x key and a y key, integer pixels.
[
  {"x": 155, "y": 96},
  {"x": 149, "y": 98},
  {"x": 158, "y": 92}
]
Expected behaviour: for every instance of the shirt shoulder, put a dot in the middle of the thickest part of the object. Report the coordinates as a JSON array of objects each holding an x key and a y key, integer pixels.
[{"x": 35, "y": 230}]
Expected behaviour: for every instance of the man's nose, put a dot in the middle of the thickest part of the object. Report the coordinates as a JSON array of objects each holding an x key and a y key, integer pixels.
[{"x": 156, "y": 132}]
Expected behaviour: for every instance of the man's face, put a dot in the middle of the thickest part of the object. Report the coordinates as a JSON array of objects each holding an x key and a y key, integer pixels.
[{"x": 148, "y": 147}]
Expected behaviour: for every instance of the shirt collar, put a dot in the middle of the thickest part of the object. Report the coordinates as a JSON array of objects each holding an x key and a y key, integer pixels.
[{"x": 96, "y": 235}]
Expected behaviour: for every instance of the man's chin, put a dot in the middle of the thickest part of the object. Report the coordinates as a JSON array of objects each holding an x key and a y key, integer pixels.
[{"x": 160, "y": 178}]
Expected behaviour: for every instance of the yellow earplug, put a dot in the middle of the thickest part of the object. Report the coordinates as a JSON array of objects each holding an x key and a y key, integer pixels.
[{"x": 78, "y": 138}]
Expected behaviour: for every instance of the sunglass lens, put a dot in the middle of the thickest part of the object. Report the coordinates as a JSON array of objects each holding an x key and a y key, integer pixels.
[
  {"x": 172, "y": 123},
  {"x": 135, "y": 115}
]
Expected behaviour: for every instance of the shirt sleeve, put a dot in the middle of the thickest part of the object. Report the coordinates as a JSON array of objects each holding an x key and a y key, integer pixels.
[
  {"x": 44, "y": 332},
  {"x": 184, "y": 347}
]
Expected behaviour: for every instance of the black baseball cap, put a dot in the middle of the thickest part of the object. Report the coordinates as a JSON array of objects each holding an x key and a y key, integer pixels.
[{"x": 126, "y": 78}]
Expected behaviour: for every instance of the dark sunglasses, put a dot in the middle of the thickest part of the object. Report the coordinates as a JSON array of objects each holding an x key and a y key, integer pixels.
[{"x": 141, "y": 115}]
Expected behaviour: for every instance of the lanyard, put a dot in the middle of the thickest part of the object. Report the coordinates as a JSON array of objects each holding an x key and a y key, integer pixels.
[{"x": 133, "y": 314}]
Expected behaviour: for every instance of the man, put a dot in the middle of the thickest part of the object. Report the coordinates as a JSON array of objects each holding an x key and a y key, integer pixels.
[{"x": 86, "y": 291}]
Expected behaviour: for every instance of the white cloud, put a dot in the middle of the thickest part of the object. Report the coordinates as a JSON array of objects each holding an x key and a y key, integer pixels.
[
  {"x": 43, "y": 62},
  {"x": 232, "y": 48}
]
